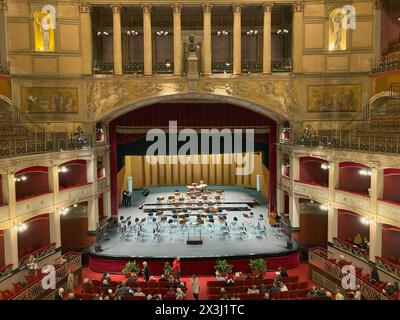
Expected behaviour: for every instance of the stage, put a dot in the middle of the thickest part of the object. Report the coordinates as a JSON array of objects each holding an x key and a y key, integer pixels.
[{"x": 248, "y": 237}]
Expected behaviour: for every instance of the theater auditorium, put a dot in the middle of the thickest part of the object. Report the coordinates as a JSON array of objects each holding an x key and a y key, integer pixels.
[{"x": 199, "y": 150}]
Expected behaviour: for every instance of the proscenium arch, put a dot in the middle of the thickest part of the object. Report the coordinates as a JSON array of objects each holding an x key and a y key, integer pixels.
[{"x": 277, "y": 115}]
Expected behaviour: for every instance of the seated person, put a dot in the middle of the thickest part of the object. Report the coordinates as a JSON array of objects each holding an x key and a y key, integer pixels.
[
  {"x": 321, "y": 292},
  {"x": 374, "y": 275},
  {"x": 71, "y": 296},
  {"x": 240, "y": 276},
  {"x": 283, "y": 273},
  {"x": 179, "y": 292},
  {"x": 312, "y": 292},
  {"x": 172, "y": 281},
  {"x": 132, "y": 277},
  {"x": 162, "y": 279},
  {"x": 230, "y": 282},
  {"x": 105, "y": 287},
  {"x": 225, "y": 297},
  {"x": 365, "y": 244},
  {"x": 157, "y": 297},
  {"x": 181, "y": 286},
  {"x": 358, "y": 240},
  {"x": 275, "y": 288},
  {"x": 234, "y": 297},
  {"x": 283, "y": 287},
  {"x": 263, "y": 289},
  {"x": 86, "y": 285},
  {"x": 391, "y": 289},
  {"x": 219, "y": 277},
  {"x": 253, "y": 290},
  {"x": 222, "y": 291},
  {"x": 266, "y": 296},
  {"x": 339, "y": 295},
  {"x": 171, "y": 293},
  {"x": 106, "y": 276},
  {"x": 139, "y": 293},
  {"x": 121, "y": 290}
]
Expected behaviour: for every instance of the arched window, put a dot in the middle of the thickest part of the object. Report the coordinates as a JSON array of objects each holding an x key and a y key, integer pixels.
[{"x": 337, "y": 30}]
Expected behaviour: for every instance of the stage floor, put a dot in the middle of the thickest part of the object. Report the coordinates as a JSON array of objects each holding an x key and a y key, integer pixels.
[{"x": 215, "y": 244}]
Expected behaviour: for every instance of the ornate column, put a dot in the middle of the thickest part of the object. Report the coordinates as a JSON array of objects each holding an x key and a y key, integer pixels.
[
  {"x": 332, "y": 223},
  {"x": 207, "y": 39},
  {"x": 176, "y": 9},
  {"x": 377, "y": 31},
  {"x": 147, "y": 46},
  {"x": 11, "y": 247},
  {"x": 54, "y": 217},
  {"x": 3, "y": 34},
  {"x": 237, "y": 39},
  {"x": 267, "y": 38},
  {"x": 9, "y": 196},
  {"x": 375, "y": 241},
  {"x": 93, "y": 213},
  {"x": 294, "y": 211},
  {"x": 376, "y": 187},
  {"x": 116, "y": 9},
  {"x": 297, "y": 37},
  {"x": 86, "y": 38}
]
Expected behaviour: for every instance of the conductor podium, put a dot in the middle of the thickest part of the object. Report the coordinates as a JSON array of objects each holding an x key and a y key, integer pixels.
[{"x": 194, "y": 235}]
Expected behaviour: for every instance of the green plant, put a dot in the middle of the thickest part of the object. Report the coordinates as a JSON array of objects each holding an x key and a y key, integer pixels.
[
  {"x": 131, "y": 267},
  {"x": 222, "y": 266},
  {"x": 167, "y": 269},
  {"x": 258, "y": 266}
]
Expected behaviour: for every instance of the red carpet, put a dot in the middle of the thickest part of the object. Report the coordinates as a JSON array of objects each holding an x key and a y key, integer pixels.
[{"x": 301, "y": 271}]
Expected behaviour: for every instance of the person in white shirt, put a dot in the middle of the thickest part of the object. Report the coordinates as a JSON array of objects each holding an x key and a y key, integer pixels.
[
  {"x": 339, "y": 296},
  {"x": 283, "y": 287}
]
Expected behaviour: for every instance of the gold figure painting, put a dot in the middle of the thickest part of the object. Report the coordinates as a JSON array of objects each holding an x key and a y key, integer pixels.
[
  {"x": 49, "y": 100},
  {"x": 334, "y": 98},
  {"x": 44, "y": 28}
]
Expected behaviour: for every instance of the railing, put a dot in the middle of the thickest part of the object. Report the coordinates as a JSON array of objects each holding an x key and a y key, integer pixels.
[
  {"x": 251, "y": 67},
  {"x": 163, "y": 67},
  {"x": 388, "y": 266},
  {"x": 42, "y": 143},
  {"x": 365, "y": 143},
  {"x": 222, "y": 67},
  {"x": 18, "y": 116},
  {"x": 387, "y": 65},
  {"x": 351, "y": 248},
  {"x": 70, "y": 261},
  {"x": 38, "y": 254},
  {"x": 133, "y": 68},
  {"x": 4, "y": 71},
  {"x": 5, "y": 271},
  {"x": 281, "y": 65},
  {"x": 102, "y": 67},
  {"x": 319, "y": 258}
]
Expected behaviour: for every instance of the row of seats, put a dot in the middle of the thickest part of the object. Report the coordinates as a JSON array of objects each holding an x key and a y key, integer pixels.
[
  {"x": 250, "y": 282},
  {"x": 244, "y": 289}
]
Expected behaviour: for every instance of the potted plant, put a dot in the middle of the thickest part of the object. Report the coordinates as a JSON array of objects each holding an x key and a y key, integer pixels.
[
  {"x": 223, "y": 267},
  {"x": 258, "y": 267},
  {"x": 167, "y": 269},
  {"x": 130, "y": 267}
]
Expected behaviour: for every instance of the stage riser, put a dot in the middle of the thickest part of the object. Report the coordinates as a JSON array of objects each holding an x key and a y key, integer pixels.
[{"x": 194, "y": 266}]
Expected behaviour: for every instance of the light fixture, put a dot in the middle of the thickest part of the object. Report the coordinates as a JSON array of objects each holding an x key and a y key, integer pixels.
[
  {"x": 365, "y": 172},
  {"x": 325, "y": 166},
  {"x": 102, "y": 33},
  {"x": 21, "y": 227},
  {"x": 63, "y": 211},
  {"x": 75, "y": 205},
  {"x": 62, "y": 169},
  {"x": 252, "y": 32},
  {"x": 132, "y": 33},
  {"x": 222, "y": 33},
  {"x": 162, "y": 33},
  {"x": 365, "y": 220},
  {"x": 167, "y": 63},
  {"x": 21, "y": 177},
  {"x": 282, "y": 31},
  {"x": 323, "y": 207}
]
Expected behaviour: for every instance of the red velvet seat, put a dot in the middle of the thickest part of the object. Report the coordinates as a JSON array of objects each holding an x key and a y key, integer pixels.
[
  {"x": 284, "y": 295},
  {"x": 275, "y": 295},
  {"x": 293, "y": 294}
]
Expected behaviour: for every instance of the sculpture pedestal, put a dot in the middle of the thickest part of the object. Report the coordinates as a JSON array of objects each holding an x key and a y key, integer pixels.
[{"x": 192, "y": 66}]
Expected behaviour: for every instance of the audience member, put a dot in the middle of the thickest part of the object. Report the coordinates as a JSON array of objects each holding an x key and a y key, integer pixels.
[
  {"x": 357, "y": 293},
  {"x": 391, "y": 289},
  {"x": 234, "y": 297},
  {"x": 104, "y": 287},
  {"x": 71, "y": 281},
  {"x": 266, "y": 296},
  {"x": 162, "y": 279},
  {"x": 139, "y": 293},
  {"x": 86, "y": 285},
  {"x": 374, "y": 275},
  {"x": 219, "y": 277},
  {"x": 179, "y": 292},
  {"x": 283, "y": 273},
  {"x": 283, "y": 287},
  {"x": 59, "y": 294},
  {"x": 132, "y": 277},
  {"x": 339, "y": 295},
  {"x": 106, "y": 276},
  {"x": 71, "y": 296},
  {"x": 176, "y": 268},
  {"x": 253, "y": 290},
  {"x": 195, "y": 284},
  {"x": 146, "y": 271}
]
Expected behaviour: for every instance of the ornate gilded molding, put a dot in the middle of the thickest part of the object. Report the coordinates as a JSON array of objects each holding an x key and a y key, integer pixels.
[
  {"x": 237, "y": 8},
  {"x": 3, "y": 5},
  {"x": 298, "y": 6},
  {"x": 268, "y": 6},
  {"x": 85, "y": 8},
  {"x": 378, "y": 4},
  {"x": 116, "y": 8},
  {"x": 146, "y": 8},
  {"x": 207, "y": 8},
  {"x": 176, "y": 8}
]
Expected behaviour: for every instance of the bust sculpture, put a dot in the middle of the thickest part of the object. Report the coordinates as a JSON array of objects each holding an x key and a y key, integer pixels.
[{"x": 192, "y": 45}]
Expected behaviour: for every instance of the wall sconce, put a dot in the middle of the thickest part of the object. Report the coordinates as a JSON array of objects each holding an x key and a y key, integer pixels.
[
  {"x": 63, "y": 211},
  {"x": 252, "y": 32},
  {"x": 323, "y": 207},
  {"x": 102, "y": 33},
  {"x": 19, "y": 178},
  {"x": 222, "y": 33},
  {"x": 282, "y": 31},
  {"x": 132, "y": 33},
  {"x": 365, "y": 220},
  {"x": 162, "y": 33},
  {"x": 325, "y": 166},
  {"x": 365, "y": 172},
  {"x": 62, "y": 169},
  {"x": 21, "y": 227},
  {"x": 167, "y": 63}
]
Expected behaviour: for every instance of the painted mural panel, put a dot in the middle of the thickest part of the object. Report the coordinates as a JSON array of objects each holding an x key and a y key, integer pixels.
[
  {"x": 49, "y": 100},
  {"x": 334, "y": 98}
]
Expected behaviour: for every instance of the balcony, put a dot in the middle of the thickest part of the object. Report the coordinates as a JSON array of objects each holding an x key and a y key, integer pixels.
[
  {"x": 74, "y": 193},
  {"x": 251, "y": 67},
  {"x": 311, "y": 190},
  {"x": 133, "y": 68},
  {"x": 163, "y": 67},
  {"x": 281, "y": 65},
  {"x": 351, "y": 248},
  {"x": 285, "y": 182},
  {"x": 388, "y": 209},
  {"x": 390, "y": 267},
  {"x": 222, "y": 67},
  {"x": 34, "y": 203},
  {"x": 353, "y": 200},
  {"x": 3, "y": 212},
  {"x": 38, "y": 254},
  {"x": 5, "y": 271},
  {"x": 102, "y": 67}
]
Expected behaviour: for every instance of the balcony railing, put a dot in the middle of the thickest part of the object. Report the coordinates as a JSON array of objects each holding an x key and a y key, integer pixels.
[
  {"x": 38, "y": 254},
  {"x": 351, "y": 248},
  {"x": 71, "y": 261},
  {"x": 365, "y": 143},
  {"x": 281, "y": 65},
  {"x": 387, "y": 65},
  {"x": 4, "y": 71},
  {"x": 388, "y": 266},
  {"x": 222, "y": 67},
  {"x": 5, "y": 271},
  {"x": 43, "y": 143},
  {"x": 163, "y": 68},
  {"x": 251, "y": 67},
  {"x": 133, "y": 68},
  {"x": 102, "y": 67},
  {"x": 322, "y": 260}
]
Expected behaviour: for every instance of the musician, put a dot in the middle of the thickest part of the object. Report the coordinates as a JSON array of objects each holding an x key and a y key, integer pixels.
[
  {"x": 176, "y": 269},
  {"x": 146, "y": 271}
]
